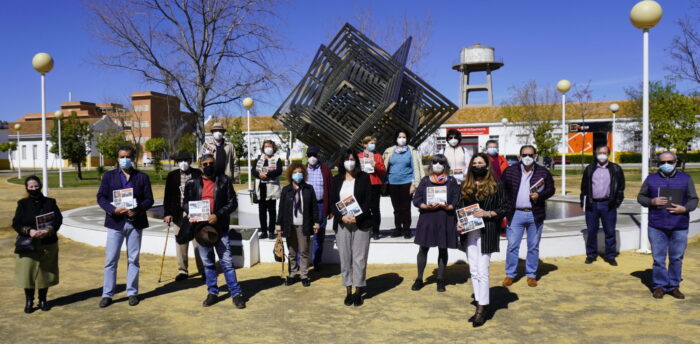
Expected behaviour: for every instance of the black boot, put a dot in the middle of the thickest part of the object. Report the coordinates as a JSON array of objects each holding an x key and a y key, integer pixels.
[
  {"x": 357, "y": 298},
  {"x": 348, "y": 297},
  {"x": 263, "y": 234},
  {"x": 43, "y": 304},
  {"x": 479, "y": 316},
  {"x": 29, "y": 300}
]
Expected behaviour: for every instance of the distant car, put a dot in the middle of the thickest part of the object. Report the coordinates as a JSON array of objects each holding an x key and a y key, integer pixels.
[
  {"x": 148, "y": 161},
  {"x": 512, "y": 159},
  {"x": 557, "y": 160}
]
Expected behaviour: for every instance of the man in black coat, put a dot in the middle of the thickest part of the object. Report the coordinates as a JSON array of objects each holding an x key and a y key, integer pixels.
[
  {"x": 602, "y": 192},
  {"x": 173, "y": 212},
  {"x": 218, "y": 190}
]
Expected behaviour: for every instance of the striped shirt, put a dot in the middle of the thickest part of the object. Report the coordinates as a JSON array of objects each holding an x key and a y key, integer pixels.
[{"x": 315, "y": 179}]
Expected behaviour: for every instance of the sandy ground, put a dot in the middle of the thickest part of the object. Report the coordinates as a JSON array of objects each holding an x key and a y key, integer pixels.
[{"x": 574, "y": 303}]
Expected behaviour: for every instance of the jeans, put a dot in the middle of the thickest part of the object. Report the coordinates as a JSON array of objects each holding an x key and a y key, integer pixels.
[
  {"x": 223, "y": 250},
  {"x": 320, "y": 237},
  {"x": 601, "y": 212},
  {"x": 523, "y": 221},
  {"x": 115, "y": 238},
  {"x": 667, "y": 243}
]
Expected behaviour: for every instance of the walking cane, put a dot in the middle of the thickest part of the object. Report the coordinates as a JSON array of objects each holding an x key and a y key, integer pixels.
[{"x": 162, "y": 259}]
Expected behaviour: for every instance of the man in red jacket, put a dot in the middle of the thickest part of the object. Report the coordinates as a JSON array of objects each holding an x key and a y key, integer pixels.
[{"x": 320, "y": 177}]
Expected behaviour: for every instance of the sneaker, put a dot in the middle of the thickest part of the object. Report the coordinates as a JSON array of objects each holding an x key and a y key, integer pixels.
[
  {"x": 263, "y": 235},
  {"x": 210, "y": 300},
  {"x": 238, "y": 301},
  {"x": 305, "y": 282},
  {"x": 133, "y": 300},
  {"x": 105, "y": 302},
  {"x": 417, "y": 285},
  {"x": 181, "y": 276}
]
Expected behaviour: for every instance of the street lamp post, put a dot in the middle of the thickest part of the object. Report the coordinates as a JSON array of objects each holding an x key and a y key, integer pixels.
[
  {"x": 247, "y": 104},
  {"x": 563, "y": 86},
  {"x": 645, "y": 15},
  {"x": 19, "y": 161},
  {"x": 58, "y": 115},
  {"x": 614, "y": 108},
  {"x": 504, "y": 121},
  {"x": 43, "y": 63}
]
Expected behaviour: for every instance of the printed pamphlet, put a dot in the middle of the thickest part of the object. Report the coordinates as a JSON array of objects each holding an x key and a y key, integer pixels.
[
  {"x": 467, "y": 220},
  {"x": 199, "y": 210},
  {"x": 436, "y": 194}
]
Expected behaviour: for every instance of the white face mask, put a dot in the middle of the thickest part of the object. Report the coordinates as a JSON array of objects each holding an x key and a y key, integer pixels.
[
  {"x": 401, "y": 141},
  {"x": 313, "y": 161},
  {"x": 527, "y": 161},
  {"x": 453, "y": 142},
  {"x": 349, "y": 165},
  {"x": 438, "y": 168},
  {"x": 268, "y": 151},
  {"x": 184, "y": 166},
  {"x": 218, "y": 135},
  {"x": 602, "y": 158}
]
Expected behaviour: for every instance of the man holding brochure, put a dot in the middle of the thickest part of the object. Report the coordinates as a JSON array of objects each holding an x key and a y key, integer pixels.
[
  {"x": 125, "y": 195},
  {"x": 528, "y": 186},
  {"x": 210, "y": 199}
]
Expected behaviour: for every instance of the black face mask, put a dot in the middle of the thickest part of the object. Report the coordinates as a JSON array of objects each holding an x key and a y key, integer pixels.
[
  {"x": 209, "y": 170},
  {"x": 479, "y": 171},
  {"x": 34, "y": 193}
]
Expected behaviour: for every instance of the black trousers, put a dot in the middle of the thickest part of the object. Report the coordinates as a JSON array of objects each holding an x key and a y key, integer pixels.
[
  {"x": 401, "y": 201},
  {"x": 375, "y": 197},
  {"x": 267, "y": 211}
]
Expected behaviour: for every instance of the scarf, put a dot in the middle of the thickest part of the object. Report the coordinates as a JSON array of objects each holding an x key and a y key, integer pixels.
[
  {"x": 297, "y": 201},
  {"x": 401, "y": 149},
  {"x": 441, "y": 179}
]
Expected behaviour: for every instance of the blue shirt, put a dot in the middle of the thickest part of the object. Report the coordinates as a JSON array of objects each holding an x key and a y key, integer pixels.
[
  {"x": 316, "y": 180},
  {"x": 522, "y": 200},
  {"x": 400, "y": 168}
]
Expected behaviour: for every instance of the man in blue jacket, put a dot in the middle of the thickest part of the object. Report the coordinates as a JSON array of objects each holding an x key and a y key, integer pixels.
[
  {"x": 668, "y": 222},
  {"x": 124, "y": 222}
]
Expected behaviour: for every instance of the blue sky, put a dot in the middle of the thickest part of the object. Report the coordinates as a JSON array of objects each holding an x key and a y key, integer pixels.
[{"x": 544, "y": 40}]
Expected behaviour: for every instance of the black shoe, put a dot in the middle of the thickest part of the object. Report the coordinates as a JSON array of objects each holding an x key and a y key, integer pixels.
[
  {"x": 290, "y": 280},
  {"x": 44, "y": 305},
  {"x": 375, "y": 236},
  {"x": 305, "y": 282},
  {"x": 395, "y": 233},
  {"x": 417, "y": 285},
  {"x": 441, "y": 286},
  {"x": 318, "y": 268},
  {"x": 273, "y": 236},
  {"x": 133, "y": 300},
  {"x": 348, "y": 299},
  {"x": 181, "y": 276},
  {"x": 263, "y": 235},
  {"x": 407, "y": 235},
  {"x": 29, "y": 306},
  {"x": 589, "y": 260},
  {"x": 239, "y": 301},
  {"x": 480, "y": 316},
  {"x": 612, "y": 261},
  {"x": 357, "y": 299},
  {"x": 210, "y": 300},
  {"x": 105, "y": 302}
]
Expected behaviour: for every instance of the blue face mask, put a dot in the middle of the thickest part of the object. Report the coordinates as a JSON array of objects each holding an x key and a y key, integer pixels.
[
  {"x": 667, "y": 168},
  {"x": 125, "y": 163},
  {"x": 492, "y": 151},
  {"x": 371, "y": 147},
  {"x": 298, "y": 177}
]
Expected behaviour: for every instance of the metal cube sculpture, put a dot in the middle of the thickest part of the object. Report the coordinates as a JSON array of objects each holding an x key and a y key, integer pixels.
[{"x": 353, "y": 89}]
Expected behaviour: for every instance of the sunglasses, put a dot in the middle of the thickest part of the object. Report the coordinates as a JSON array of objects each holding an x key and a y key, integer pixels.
[
  {"x": 205, "y": 164},
  {"x": 452, "y": 137},
  {"x": 526, "y": 155}
]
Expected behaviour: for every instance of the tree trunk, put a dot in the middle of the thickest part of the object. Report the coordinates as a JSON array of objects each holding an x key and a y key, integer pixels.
[{"x": 80, "y": 172}]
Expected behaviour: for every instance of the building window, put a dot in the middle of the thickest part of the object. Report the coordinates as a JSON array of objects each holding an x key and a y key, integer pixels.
[
  {"x": 141, "y": 108},
  {"x": 34, "y": 153},
  {"x": 24, "y": 153}
]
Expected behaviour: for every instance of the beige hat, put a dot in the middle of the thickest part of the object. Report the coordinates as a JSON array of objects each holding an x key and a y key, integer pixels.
[{"x": 217, "y": 126}]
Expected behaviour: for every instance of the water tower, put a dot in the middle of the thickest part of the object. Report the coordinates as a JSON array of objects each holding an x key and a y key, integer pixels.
[{"x": 476, "y": 58}]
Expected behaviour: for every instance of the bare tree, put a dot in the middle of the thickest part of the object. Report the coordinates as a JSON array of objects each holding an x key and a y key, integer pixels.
[
  {"x": 583, "y": 106},
  {"x": 131, "y": 122},
  {"x": 685, "y": 48},
  {"x": 213, "y": 52}
]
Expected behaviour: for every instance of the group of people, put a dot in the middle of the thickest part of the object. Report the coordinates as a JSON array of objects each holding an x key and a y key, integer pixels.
[{"x": 511, "y": 200}]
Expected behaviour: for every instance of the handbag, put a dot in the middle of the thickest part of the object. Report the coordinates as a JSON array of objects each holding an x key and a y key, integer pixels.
[
  {"x": 253, "y": 196},
  {"x": 24, "y": 244},
  {"x": 278, "y": 250}
]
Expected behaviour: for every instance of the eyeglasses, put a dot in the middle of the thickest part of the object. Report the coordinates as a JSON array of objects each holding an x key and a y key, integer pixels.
[
  {"x": 205, "y": 164},
  {"x": 526, "y": 155}
]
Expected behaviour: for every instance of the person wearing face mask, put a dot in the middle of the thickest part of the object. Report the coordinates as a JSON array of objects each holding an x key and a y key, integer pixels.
[
  {"x": 457, "y": 156},
  {"x": 218, "y": 190},
  {"x": 124, "y": 224},
  {"x": 173, "y": 212},
  {"x": 223, "y": 151},
  {"x": 528, "y": 186},
  {"x": 668, "y": 222},
  {"x": 320, "y": 178},
  {"x": 482, "y": 188},
  {"x": 266, "y": 169},
  {"x": 437, "y": 221},
  {"x": 404, "y": 168},
  {"x": 497, "y": 162},
  {"x": 297, "y": 217},
  {"x": 36, "y": 266},
  {"x": 602, "y": 192},
  {"x": 369, "y": 157},
  {"x": 353, "y": 231}
]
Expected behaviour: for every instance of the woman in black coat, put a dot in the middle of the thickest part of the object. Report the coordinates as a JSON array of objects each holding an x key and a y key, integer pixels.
[
  {"x": 350, "y": 199},
  {"x": 37, "y": 264},
  {"x": 297, "y": 218},
  {"x": 480, "y": 187}
]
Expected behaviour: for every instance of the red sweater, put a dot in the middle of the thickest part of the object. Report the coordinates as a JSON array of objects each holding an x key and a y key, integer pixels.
[{"x": 376, "y": 178}]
